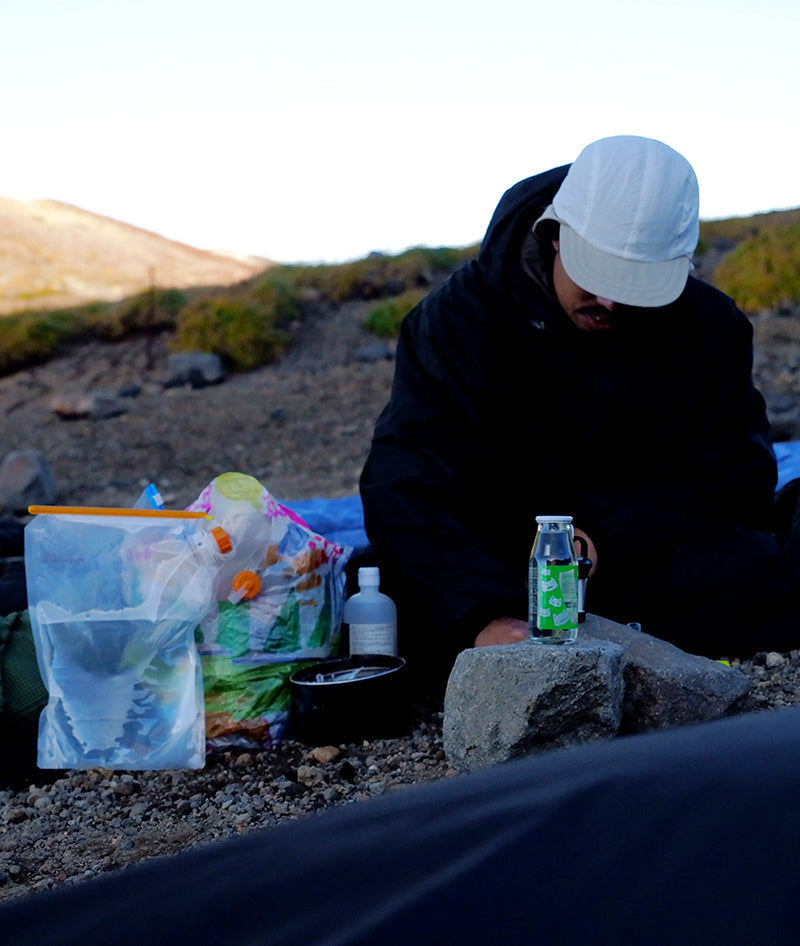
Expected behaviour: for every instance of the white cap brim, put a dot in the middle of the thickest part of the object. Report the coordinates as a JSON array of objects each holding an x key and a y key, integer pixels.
[{"x": 629, "y": 282}]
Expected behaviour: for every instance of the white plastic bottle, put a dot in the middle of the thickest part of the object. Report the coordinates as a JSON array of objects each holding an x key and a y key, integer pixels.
[{"x": 371, "y": 616}]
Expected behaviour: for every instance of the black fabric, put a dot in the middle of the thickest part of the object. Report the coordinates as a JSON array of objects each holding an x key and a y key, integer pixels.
[
  {"x": 688, "y": 836},
  {"x": 18, "y": 730},
  {"x": 12, "y": 538},
  {"x": 18, "y": 754},
  {"x": 651, "y": 436},
  {"x": 13, "y": 591}
]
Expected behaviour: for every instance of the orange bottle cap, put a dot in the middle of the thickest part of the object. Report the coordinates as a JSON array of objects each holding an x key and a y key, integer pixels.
[
  {"x": 223, "y": 539},
  {"x": 247, "y": 583}
]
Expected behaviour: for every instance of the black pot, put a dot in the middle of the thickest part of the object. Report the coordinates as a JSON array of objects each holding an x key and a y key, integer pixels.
[{"x": 349, "y": 700}]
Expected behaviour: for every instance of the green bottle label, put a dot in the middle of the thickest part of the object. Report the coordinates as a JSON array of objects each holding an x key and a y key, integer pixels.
[{"x": 557, "y": 597}]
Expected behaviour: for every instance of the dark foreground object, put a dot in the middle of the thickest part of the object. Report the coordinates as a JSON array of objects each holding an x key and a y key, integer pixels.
[{"x": 688, "y": 836}]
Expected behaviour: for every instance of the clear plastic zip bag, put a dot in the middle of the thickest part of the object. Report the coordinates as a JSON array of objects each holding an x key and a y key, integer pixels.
[{"x": 114, "y": 598}]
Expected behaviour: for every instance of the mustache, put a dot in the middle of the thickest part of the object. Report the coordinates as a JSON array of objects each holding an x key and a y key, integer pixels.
[{"x": 597, "y": 310}]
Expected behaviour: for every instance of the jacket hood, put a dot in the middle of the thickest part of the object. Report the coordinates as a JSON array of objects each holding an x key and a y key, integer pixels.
[{"x": 509, "y": 230}]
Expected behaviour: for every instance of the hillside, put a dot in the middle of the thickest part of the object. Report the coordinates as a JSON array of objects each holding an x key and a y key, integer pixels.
[{"x": 54, "y": 255}]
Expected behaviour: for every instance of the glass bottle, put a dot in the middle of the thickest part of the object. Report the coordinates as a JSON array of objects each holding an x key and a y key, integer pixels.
[{"x": 553, "y": 582}]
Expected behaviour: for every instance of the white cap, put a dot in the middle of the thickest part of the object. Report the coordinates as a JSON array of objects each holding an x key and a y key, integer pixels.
[
  {"x": 629, "y": 215},
  {"x": 369, "y": 575}
]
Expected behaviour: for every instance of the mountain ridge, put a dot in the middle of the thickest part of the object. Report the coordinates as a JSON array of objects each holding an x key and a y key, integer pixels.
[{"x": 54, "y": 254}]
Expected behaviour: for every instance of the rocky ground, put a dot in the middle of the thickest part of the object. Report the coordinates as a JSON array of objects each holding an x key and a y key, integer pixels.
[{"x": 302, "y": 427}]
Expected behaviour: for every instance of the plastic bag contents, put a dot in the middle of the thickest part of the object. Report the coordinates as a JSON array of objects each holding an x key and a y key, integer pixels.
[
  {"x": 258, "y": 635},
  {"x": 115, "y": 597}
]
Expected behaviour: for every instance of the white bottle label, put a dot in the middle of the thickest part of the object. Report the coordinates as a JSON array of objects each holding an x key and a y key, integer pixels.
[{"x": 373, "y": 639}]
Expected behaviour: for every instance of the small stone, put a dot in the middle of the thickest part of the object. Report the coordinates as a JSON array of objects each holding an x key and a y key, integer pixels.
[
  {"x": 374, "y": 351},
  {"x": 98, "y": 405},
  {"x": 773, "y": 660},
  {"x": 309, "y": 775},
  {"x": 347, "y": 771},
  {"x": 325, "y": 753},
  {"x": 15, "y": 815},
  {"x": 25, "y": 480},
  {"x": 196, "y": 368}
]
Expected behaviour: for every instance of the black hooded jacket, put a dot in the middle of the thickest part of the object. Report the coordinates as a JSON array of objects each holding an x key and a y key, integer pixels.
[{"x": 651, "y": 436}]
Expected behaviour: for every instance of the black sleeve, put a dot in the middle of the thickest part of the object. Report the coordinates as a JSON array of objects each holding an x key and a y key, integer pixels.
[{"x": 421, "y": 487}]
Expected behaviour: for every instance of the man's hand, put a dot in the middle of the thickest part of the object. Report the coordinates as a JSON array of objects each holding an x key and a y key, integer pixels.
[
  {"x": 502, "y": 631},
  {"x": 591, "y": 551}
]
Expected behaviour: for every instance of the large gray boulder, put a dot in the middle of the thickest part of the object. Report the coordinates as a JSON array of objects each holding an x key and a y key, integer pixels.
[
  {"x": 513, "y": 700},
  {"x": 25, "y": 480},
  {"x": 665, "y": 686}
]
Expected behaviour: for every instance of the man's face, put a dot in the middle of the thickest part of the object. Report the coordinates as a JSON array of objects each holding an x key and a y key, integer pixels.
[{"x": 589, "y": 313}]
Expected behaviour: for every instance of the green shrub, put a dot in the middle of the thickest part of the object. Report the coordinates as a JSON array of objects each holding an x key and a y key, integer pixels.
[
  {"x": 273, "y": 294},
  {"x": 739, "y": 229},
  {"x": 338, "y": 283},
  {"x": 377, "y": 276},
  {"x": 150, "y": 311},
  {"x": 764, "y": 271},
  {"x": 242, "y": 332},
  {"x": 384, "y": 319},
  {"x": 27, "y": 338}
]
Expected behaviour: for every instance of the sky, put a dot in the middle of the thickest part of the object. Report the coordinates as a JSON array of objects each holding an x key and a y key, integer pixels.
[{"x": 323, "y": 130}]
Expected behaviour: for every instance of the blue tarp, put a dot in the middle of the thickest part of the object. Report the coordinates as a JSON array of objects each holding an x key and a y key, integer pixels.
[
  {"x": 338, "y": 520},
  {"x": 342, "y": 520},
  {"x": 788, "y": 455}
]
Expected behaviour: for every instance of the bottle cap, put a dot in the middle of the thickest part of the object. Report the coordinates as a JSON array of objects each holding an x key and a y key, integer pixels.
[
  {"x": 369, "y": 575},
  {"x": 223, "y": 539},
  {"x": 246, "y": 584},
  {"x": 564, "y": 519}
]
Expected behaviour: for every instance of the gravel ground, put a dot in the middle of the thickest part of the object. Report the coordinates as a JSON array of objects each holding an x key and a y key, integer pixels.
[
  {"x": 302, "y": 427},
  {"x": 61, "y": 831}
]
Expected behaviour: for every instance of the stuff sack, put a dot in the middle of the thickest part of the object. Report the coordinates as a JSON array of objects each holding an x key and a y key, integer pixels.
[
  {"x": 114, "y": 600},
  {"x": 279, "y": 605}
]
